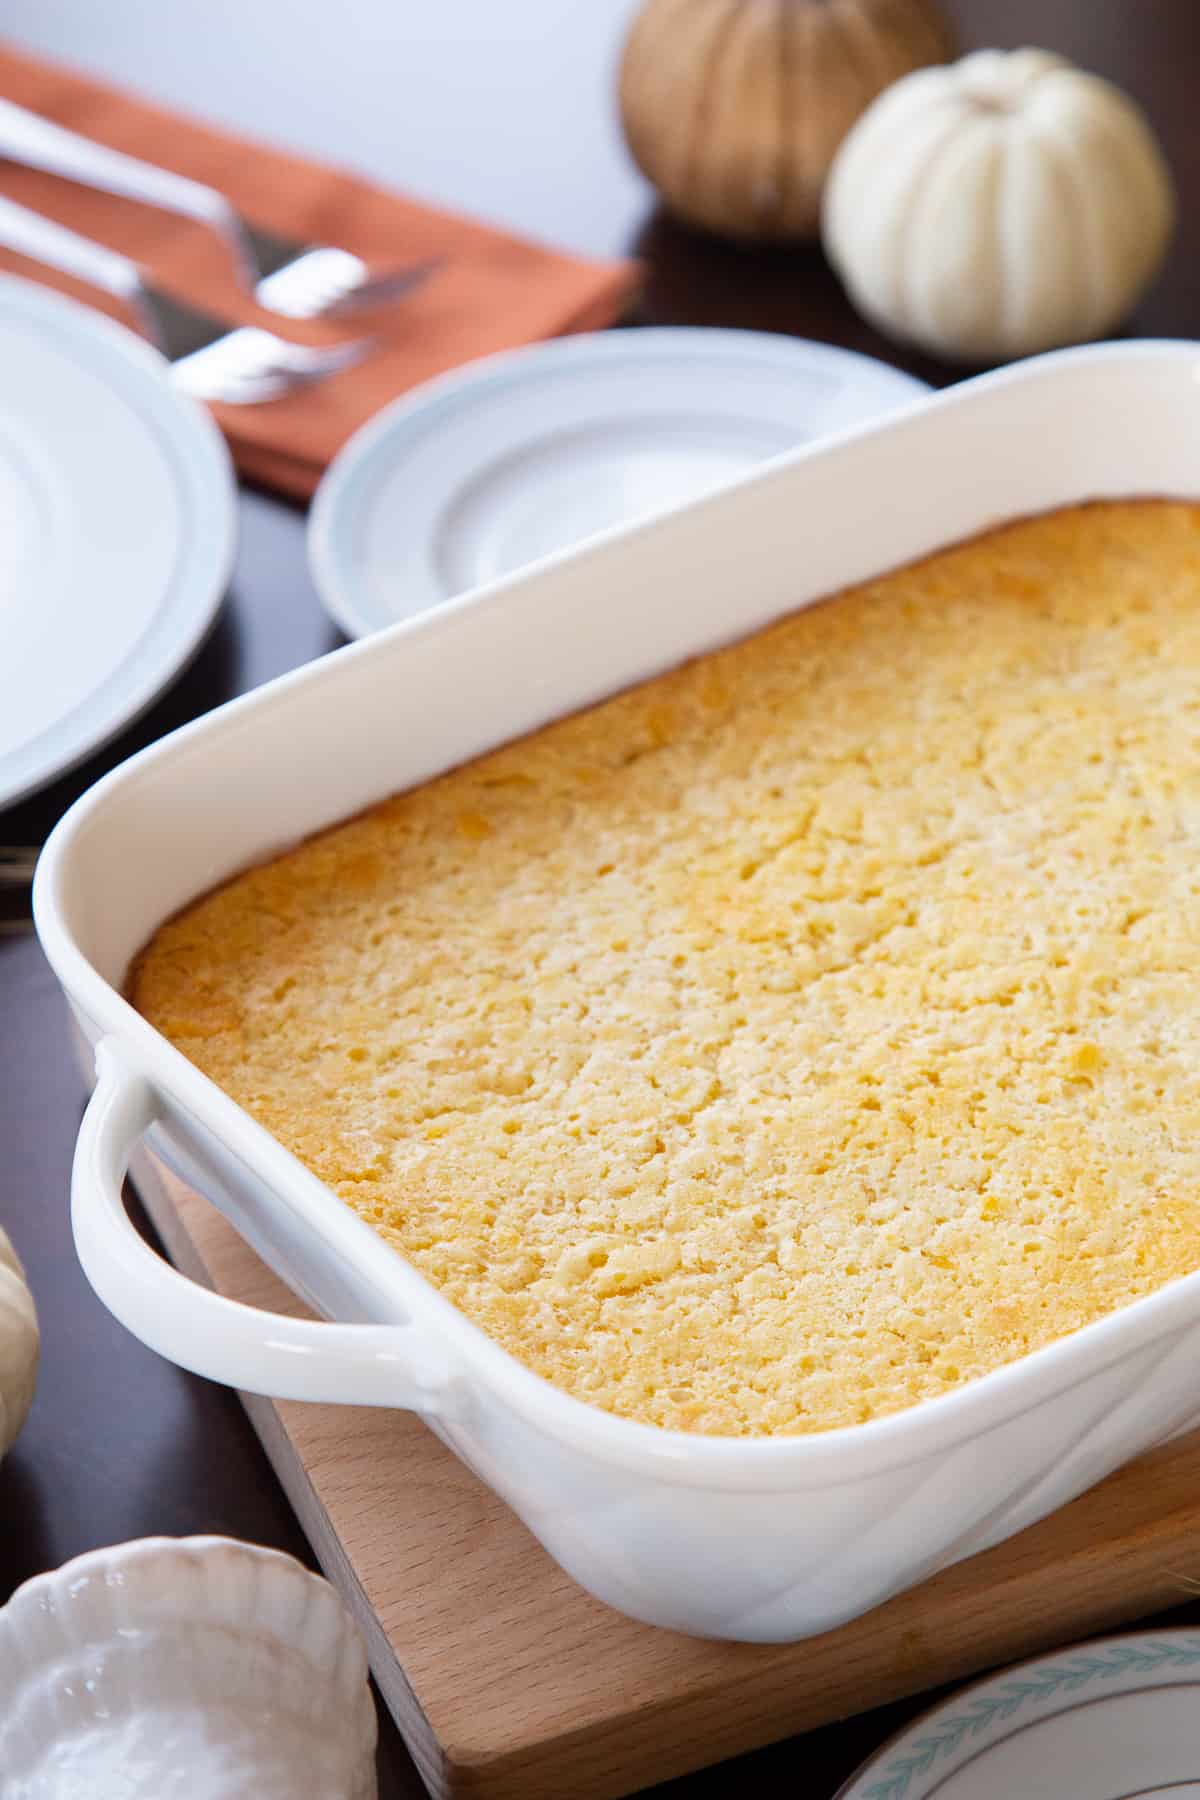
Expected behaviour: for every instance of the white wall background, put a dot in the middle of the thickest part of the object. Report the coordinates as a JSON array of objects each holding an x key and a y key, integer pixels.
[{"x": 419, "y": 71}]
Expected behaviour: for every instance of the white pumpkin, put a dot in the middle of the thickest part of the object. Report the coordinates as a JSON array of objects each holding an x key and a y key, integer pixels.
[
  {"x": 18, "y": 1345},
  {"x": 1001, "y": 205}
]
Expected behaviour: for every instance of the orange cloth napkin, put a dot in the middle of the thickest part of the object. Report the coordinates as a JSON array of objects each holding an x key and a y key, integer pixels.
[{"x": 491, "y": 292}]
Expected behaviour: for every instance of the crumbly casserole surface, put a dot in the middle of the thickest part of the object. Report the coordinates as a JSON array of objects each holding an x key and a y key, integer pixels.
[{"x": 790, "y": 1039}]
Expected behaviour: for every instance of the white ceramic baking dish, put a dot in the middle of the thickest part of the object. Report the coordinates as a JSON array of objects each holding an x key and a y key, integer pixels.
[{"x": 765, "y": 1539}]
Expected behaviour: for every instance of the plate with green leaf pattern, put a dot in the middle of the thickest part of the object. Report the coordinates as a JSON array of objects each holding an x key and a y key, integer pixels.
[{"x": 1114, "y": 1719}]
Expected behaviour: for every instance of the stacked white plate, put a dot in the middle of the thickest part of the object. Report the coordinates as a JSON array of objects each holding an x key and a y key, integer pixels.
[
  {"x": 116, "y": 531},
  {"x": 523, "y": 454}
]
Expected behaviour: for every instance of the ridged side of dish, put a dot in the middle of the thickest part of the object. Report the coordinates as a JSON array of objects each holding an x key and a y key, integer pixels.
[{"x": 792, "y": 1038}]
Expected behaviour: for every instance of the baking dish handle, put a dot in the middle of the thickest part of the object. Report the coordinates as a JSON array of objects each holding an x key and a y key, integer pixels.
[{"x": 258, "y": 1352}]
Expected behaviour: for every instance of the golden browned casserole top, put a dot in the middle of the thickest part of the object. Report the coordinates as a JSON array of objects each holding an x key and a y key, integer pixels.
[{"x": 792, "y": 1038}]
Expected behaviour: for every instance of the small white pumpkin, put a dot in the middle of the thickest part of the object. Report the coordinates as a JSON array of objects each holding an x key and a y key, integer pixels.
[
  {"x": 1000, "y": 206},
  {"x": 18, "y": 1344}
]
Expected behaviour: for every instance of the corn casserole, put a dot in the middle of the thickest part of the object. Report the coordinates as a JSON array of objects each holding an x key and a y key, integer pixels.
[{"x": 789, "y": 1039}]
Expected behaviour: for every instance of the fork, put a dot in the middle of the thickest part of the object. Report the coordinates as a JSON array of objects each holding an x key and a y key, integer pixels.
[
  {"x": 209, "y": 360},
  {"x": 285, "y": 274}
]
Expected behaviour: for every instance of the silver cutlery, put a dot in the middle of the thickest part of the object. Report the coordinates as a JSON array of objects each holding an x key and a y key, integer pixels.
[
  {"x": 319, "y": 281},
  {"x": 17, "y": 863},
  {"x": 240, "y": 366},
  {"x": 285, "y": 274}
]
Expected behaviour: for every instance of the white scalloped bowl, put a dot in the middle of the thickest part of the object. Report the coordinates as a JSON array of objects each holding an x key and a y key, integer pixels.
[{"x": 172, "y": 1667}]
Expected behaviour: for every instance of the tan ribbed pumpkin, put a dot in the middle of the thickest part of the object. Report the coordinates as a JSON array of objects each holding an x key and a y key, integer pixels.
[{"x": 734, "y": 108}]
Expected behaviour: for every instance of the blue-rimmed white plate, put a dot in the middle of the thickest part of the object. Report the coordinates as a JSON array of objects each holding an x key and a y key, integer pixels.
[
  {"x": 1115, "y": 1719},
  {"x": 116, "y": 531},
  {"x": 478, "y": 473}
]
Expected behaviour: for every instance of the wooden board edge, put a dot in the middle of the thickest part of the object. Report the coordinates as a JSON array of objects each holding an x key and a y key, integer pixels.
[{"x": 650, "y": 1751}]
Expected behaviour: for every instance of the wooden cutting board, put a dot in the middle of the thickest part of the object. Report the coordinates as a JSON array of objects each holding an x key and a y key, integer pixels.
[{"x": 508, "y": 1682}]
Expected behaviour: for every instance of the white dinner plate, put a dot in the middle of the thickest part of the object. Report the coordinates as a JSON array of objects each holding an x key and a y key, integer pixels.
[
  {"x": 480, "y": 472},
  {"x": 1115, "y": 1719},
  {"x": 116, "y": 531}
]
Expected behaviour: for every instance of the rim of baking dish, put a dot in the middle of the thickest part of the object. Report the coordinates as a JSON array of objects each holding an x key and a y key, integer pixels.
[{"x": 765, "y": 1463}]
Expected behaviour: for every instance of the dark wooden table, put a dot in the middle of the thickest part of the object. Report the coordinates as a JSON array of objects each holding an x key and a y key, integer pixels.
[{"x": 121, "y": 1444}]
